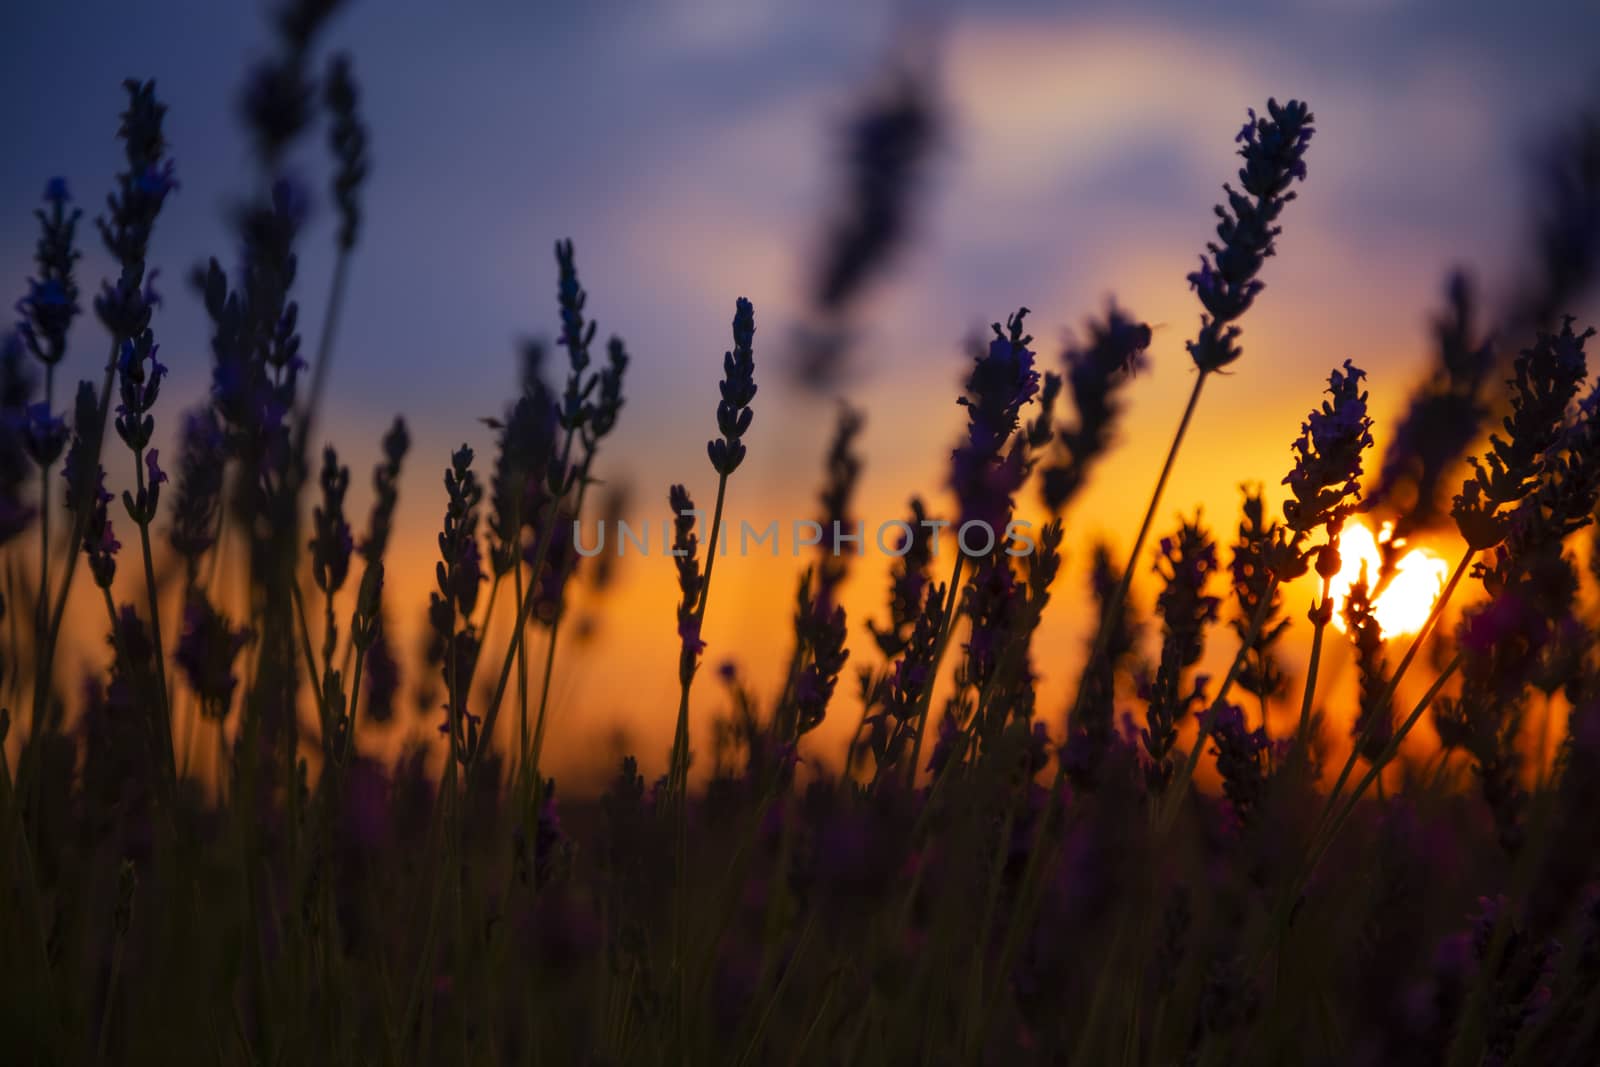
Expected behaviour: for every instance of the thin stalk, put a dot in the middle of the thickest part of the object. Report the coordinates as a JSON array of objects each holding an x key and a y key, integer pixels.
[
  {"x": 1028, "y": 888},
  {"x": 925, "y": 698},
  {"x": 41, "y": 611},
  {"x": 678, "y": 776},
  {"x": 1394, "y": 680},
  {"x": 525, "y": 606},
  {"x": 1319, "y": 625},
  {"x": 355, "y": 706},
  {"x": 1328, "y": 829},
  {"x": 1112, "y": 617},
  {"x": 111, "y": 999},
  {"x": 311, "y": 659},
  {"x": 155, "y": 616},
  {"x": 330, "y": 325},
  {"x": 550, "y": 648},
  {"x": 1180, "y": 785},
  {"x": 80, "y": 519}
]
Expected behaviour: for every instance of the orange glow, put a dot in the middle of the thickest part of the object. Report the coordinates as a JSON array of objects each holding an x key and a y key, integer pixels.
[{"x": 1405, "y": 601}]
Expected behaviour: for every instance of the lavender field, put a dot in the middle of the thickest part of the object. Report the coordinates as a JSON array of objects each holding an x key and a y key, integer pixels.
[{"x": 752, "y": 661}]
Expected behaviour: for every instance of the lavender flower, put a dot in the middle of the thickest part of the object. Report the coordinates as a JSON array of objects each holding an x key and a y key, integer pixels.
[
  {"x": 820, "y": 631},
  {"x": 1546, "y": 378},
  {"x": 738, "y": 389},
  {"x": 843, "y": 471},
  {"x": 80, "y": 468},
  {"x": 1273, "y": 150},
  {"x": 685, "y": 548},
  {"x": 206, "y": 652},
  {"x": 524, "y": 452},
  {"x": 885, "y": 148},
  {"x": 1442, "y": 419},
  {"x": 1096, "y": 373},
  {"x": 1241, "y": 758},
  {"x": 52, "y": 301},
  {"x": 1326, "y": 479},
  {"x": 1185, "y": 565},
  {"x": 139, "y": 376},
  {"x": 908, "y": 583},
  {"x": 332, "y": 544},
  {"x": 1565, "y": 223},
  {"x": 201, "y": 467},
  {"x": 16, "y": 388},
  {"x": 1252, "y": 572},
  {"x": 142, "y": 189},
  {"x": 1091, "y": 732},
  {"x": 347, "y": 136},
  {"x": 1002, "y": 381},
  {"x": 458, "y": 575},
  {"x": 100, "y": 544},
  {"x": 1374, "y": 723},
  {"x": 44, "y": 435},
  {"x": 385, "y": 491}
]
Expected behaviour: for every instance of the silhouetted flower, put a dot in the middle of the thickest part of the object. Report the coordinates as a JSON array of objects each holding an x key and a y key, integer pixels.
[
  {"x": 1002, "y": 381},
  {"x": 1273, "y": 149},
  {"x": 1326, "y": 479},
  {"x": 908, "y": 582},
  {"x": 1374, "y": 725},
  {"x": 140, "y": 192},
  {"x": 139, "y": 376},
  {"x": 385, "y": 490},
  {"x": 1185, "y": 565},
  {"x": 1241, "y": 758},
  {"x": 1252, "y": 575},
  {"x": 738, "y": 389}
]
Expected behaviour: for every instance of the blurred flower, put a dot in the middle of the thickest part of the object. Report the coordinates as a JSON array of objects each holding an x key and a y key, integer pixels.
[
  {"x": 207, "y": 648},
  {"x": 52, "y": 301},
  {"x": 1096, "y": 373},
  {"x": 201, "y": 466},
  {"x": 347, "y": 136},
  {"x": 331, "y": 543}
]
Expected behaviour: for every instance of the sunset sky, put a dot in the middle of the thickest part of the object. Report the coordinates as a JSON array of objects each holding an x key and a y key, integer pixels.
[{"x": 689, "y": 149}]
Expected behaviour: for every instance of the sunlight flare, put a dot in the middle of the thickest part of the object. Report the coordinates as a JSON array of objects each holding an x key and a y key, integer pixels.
[{"x": 1405, "y": 600}]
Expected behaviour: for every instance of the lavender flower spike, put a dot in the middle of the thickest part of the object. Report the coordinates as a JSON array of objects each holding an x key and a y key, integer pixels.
[
  {"x": 738, "y": 389},
  {"x": 1273, "y": 150}
]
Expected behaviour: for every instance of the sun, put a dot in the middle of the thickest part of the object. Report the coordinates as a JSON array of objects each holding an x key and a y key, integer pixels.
[{"x": 1405, "y": 602}]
